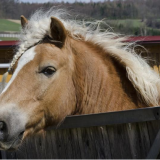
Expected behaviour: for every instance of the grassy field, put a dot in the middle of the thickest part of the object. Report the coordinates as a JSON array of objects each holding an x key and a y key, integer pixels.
[
  {"x": 6, "y": 25},
  {"x": 8, "y": 38},
  {"x": 132, "y": 27},
  {"x": 128, "y": 27},
  {"x": 125, "y": 22}
]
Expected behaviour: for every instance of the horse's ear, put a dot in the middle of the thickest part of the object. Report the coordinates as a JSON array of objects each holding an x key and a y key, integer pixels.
[
  {"x": 24, "y": 21},
  {"x": 58, "y": 31}
]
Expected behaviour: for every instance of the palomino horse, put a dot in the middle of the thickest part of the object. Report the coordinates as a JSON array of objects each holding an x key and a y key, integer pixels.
[{"x": 64, "y": 67}]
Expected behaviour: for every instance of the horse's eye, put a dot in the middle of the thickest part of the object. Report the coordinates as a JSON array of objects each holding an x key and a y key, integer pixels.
[{"x": 48, "y": 71}]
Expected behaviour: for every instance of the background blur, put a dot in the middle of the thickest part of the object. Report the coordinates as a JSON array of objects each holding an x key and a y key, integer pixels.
[{"x": 131, "y": 17}]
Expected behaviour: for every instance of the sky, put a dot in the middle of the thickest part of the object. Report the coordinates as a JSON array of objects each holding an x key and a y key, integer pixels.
[{"x": 70, "y": 1}]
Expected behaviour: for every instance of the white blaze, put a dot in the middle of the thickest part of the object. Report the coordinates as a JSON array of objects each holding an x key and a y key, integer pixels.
[{"x": 25, "y": 58}]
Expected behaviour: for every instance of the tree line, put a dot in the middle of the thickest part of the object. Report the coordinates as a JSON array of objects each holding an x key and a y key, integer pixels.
[
  {"x": 148, "y": 11},
  {"x": 116, "y": 9}
]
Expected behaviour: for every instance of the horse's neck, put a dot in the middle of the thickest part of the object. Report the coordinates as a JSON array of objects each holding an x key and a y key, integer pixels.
[{"x": 101, "y": 83}]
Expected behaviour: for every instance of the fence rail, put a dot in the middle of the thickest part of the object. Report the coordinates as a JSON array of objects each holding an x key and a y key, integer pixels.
[
  {"x": 4, "y": 65},
  {"x": 10, "y": 35}
]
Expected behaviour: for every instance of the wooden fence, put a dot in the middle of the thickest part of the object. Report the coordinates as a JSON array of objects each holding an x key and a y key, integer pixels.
[
  {"x": 15, "y": 35},
  {"x": 116, "y": 135}
]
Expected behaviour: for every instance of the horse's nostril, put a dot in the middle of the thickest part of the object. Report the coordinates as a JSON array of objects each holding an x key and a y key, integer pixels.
[
  {"x": 3, "y": 131},
  {"x": 2, "y": 126}
]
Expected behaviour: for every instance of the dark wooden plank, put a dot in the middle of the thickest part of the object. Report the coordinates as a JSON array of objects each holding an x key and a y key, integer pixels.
[
  {"x": 61, "y": 147},
  {"x": 51, "y": 145},
  {"x": 100, "y": 137},
  {"x": 158, "y": 157},
  {"x": 134, "y": 138},
  {"x": 90, "y": 143},
  {"x": 31, "y": 148},
  {"x": 67, "y": 141},
  {"x": 139, "y": 140},
  {"x": 86, "y": 143},
  {"x": 44, "y": 146},
  {"x": 37, "y": 144},
  {"x": 75, "y": 144},
  {"x": 21, "y": 152},
  {"x": 119, "y": 142},
  {"x": 153, "y": 128},
  {"x": 144, "y": 138},
  {"x": 3, "y": 155},
  {"x": 155, "y": 148},
  {"x": 40, "y": 145},
  {"x": 114, "y": 141},
  {"x": 10, "y": 155},
  {"x": 81, "y": 143}
]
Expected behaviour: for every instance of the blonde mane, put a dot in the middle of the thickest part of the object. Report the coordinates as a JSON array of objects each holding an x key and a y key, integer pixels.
[{"x": 144, "y": 79}]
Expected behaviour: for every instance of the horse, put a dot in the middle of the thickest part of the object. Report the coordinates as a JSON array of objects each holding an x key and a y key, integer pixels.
[{"x": 67, "y": 67}]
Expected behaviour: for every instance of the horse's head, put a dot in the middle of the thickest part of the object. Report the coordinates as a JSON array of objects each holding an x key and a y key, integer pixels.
[
  {"x": 63, "y": 67},
  {"x": 40, "y": 89}
]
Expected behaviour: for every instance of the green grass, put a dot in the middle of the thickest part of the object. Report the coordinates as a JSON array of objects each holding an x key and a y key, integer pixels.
[
  {"x": 132, "y": 27},
  {"x": 6, "y": 25},
  {"x": 8, "y": 38},
  {"x": 125, "y": 22}
]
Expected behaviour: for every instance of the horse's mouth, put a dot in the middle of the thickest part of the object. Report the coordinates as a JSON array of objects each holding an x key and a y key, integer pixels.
[{"x": 13, "y": 144}]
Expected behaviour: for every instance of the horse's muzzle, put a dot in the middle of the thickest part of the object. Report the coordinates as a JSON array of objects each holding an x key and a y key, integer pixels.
[{"x": 8, "y": 142}]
